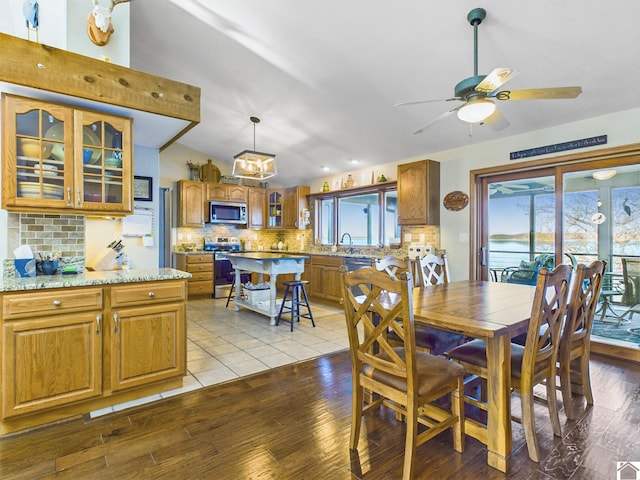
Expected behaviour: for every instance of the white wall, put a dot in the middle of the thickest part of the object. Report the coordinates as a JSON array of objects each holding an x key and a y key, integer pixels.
[{"x": 101, "y": 232}]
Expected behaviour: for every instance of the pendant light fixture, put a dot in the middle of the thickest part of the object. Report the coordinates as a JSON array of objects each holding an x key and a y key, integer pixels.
[{"x": 254, "y": 165}]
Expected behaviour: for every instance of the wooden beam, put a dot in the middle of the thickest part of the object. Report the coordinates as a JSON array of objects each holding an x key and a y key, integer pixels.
[{"x": 47, "y": 68}]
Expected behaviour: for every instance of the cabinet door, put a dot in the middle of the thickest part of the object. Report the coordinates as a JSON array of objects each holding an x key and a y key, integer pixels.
[
  {"x": 274, "y": 208},
  {"x": 37, "y": 161},
  {"x": 419, "y": 193},
  {"x": 331, "y": 284},
  {"x": 50, "y": 361},
  {"x": 217, "y": 191},
  {"x": 256, "y": 197},
  {"x": 103, "y": 162},
  {"x": 147, "y": 344},
  {"x": 237, "y": 193},
  {"x": 191, "y": 204}
]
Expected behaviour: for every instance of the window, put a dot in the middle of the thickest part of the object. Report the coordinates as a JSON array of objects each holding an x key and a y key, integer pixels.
[{"x": 369, "y": 215}]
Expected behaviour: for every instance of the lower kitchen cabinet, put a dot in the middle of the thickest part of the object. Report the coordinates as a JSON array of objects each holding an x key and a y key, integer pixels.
[
  {"x": 200, "y": 266},
  {"x": 325, "y": 278},
  {"x": 69, "y": 351}
]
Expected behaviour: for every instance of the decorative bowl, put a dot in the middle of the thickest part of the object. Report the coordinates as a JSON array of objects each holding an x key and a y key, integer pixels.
[
  {"x": 113, "y": 162},
  {"x": 32, "y": 148}
]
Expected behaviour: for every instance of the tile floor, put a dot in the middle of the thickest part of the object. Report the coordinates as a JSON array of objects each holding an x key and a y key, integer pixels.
[{"x": 223, "y": 344}]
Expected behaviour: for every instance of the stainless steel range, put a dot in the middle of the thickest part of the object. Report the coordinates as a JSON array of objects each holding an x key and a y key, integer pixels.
[{"x": 222, "y": 270}]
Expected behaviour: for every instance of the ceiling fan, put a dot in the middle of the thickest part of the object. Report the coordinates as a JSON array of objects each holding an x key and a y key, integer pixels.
[{"x": 476, "y": 92}]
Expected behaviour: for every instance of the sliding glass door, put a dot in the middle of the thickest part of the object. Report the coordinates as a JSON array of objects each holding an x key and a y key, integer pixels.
[{"x": 573, "y": 212}]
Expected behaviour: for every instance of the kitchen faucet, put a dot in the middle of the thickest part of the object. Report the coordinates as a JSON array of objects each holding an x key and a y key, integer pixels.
[{"x": 350, "y": 241}]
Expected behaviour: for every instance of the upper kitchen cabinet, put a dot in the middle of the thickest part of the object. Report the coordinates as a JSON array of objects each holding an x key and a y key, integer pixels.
[
  {"x": 294, "y": 204},
  {"x": 285, "y": 207},
  {"x": 226, "y": 192},
  {"x": 57, "y": 158},
  {"x": 191, "y": 204},
  {"x": 419, "y": 193},
  {"x": 255, "y": 207}
]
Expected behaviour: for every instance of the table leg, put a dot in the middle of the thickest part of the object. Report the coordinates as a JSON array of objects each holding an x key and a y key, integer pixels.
[
  {"x": 499, "y": 399},
  {"x": 238, "y": 287},
  {"x": 273, "y": 291}
]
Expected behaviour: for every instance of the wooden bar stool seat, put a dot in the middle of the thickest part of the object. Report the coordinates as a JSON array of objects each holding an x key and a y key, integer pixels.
[
  {"x": 245, "y": 277},
  {"x": 297, "y": 295}
]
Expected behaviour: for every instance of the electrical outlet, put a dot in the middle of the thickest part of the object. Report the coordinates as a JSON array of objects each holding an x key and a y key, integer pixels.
[{"x": 407, "y": 237}]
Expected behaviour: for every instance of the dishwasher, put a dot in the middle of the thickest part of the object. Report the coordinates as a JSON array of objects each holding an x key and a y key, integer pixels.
[{"x": 354, "y": 263}]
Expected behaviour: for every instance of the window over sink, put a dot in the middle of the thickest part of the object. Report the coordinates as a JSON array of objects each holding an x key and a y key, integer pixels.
[{"x": 369, "y": 215}]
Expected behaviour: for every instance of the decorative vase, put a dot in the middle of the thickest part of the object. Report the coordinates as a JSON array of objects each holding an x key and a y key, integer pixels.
[{"x": 193, "y": 172}]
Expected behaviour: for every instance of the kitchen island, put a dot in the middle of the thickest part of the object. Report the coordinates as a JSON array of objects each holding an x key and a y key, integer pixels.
[{"x": 272, "y": 264}]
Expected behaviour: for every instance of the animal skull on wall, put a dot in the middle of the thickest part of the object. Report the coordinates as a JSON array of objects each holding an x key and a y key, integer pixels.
[{"x": 99, "y": 27}]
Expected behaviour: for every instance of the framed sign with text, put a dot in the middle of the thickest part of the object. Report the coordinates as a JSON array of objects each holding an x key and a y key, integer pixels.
[{"x": 143, "y": 188}]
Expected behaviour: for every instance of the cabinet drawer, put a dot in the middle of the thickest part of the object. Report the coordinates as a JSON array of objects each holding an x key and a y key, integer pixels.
[
  {"x": 327, "y": 260},
  {"x": 199, "y": 267},
  {"x": 151, "y": 292},
  {"x": 51, "y": 303},
  {"x": 206, "y": 258},
  {"x": 200, "y": 288},
  {"x": 198, "y": 276}
]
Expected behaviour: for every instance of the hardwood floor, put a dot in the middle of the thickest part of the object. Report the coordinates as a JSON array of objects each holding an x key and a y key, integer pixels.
[{"x": 293, "y": 422}]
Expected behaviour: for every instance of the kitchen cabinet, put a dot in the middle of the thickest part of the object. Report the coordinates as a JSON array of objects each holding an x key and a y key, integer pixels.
[
  {"x": 289, "y": 277},
  {"x": 419, "y": 193},
  {"x": 192, "y": 205},
  {"x": 148, "y": 333},
  {"x": 200, "y": 266},
  {"x": 226, "y": 192},
  {"x": 57, "y": 158},
  {"x": 256, "y": 208},
  {"x": 68, "y": 351},
  {"x": 294, "y": 203},
  {"x": 325, "y": 278},
  {"x": 285, "y": 207},
  {"x": 51, "y": 349},
  {"x": 274, "y": 208}
]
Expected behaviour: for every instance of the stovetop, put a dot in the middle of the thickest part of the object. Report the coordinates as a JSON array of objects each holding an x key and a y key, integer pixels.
[{"x": 222, "y": 244}]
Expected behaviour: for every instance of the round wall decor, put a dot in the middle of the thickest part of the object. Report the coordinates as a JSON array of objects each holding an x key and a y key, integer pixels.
[{"x": 455, "y": 201}]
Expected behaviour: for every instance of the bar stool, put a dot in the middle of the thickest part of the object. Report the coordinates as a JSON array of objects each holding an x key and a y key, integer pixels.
[
  {"x": 244, "y": 278},
  {"x": 295, "y": 288}
]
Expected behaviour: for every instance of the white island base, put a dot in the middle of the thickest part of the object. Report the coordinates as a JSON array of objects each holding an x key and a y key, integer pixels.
[{"x": 272, "y": 264}]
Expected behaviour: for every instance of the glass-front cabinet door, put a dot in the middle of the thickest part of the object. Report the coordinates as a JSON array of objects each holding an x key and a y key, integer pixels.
[
  {"x": 55, "y": 157},
  {"x": 36, "y": 138},
  {"x": 102, "y": 161},
  {"x": 275, "y": 209}
]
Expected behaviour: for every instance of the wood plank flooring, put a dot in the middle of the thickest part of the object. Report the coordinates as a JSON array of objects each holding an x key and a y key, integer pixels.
[{"x": 293, "y": 422}]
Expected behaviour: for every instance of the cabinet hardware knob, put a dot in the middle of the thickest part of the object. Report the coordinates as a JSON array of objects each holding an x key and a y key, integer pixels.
[
  {"x": 79, "y": 198},
  {"x": 57, "y": 303},
  {"x": 69, "y": 196},
  {"x": 115, "y": 322},
  {"x": 151, "y": 294},
  {"x": 98, "y": 320}
]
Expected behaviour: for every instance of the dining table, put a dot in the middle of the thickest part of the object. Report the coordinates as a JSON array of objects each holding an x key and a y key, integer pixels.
[{"x": 494, "y": 312}]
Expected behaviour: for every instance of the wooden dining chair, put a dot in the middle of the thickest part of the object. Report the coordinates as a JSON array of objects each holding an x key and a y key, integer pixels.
[
  {"x": 574, "y": 349},
  {"x": 394, "y": 266},
  {"x": 434, "y": 270},
  {"x": 403, "y": 378},
  {"x": 533, "y": 363}
]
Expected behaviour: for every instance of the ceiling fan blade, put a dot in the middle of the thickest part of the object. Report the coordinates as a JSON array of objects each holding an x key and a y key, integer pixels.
[
  {"x": 419, "y": 102},
  {"x": 496, "y": 121},
  {"x": 517, "y": 186},
  {"x": 497, "y": 78},
  {"x": 539, "y": 93},
  {"x": 437, "y": 119}
]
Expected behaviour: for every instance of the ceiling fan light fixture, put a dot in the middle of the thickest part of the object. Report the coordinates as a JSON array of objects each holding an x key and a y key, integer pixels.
[
  {"x": 604, "y": 174},
  {"x": 475, "y": 111},
  {"x": 254, "y": 165}
]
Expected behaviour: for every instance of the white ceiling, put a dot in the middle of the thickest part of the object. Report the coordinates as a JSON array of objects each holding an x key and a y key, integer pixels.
[{"x": 324, "y": 75}]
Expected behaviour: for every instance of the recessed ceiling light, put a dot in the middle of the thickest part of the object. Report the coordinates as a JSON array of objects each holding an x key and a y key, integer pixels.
[
  {"x": 325, "y": 168},
  {"x": 355, "y": 160}
]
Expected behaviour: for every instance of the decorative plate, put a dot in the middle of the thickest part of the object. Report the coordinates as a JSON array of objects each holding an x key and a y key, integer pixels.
[{"x": 455, "y": 201}]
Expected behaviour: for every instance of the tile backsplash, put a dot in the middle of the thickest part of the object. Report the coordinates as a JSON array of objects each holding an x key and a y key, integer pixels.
[{"x": 46, "y": 234}]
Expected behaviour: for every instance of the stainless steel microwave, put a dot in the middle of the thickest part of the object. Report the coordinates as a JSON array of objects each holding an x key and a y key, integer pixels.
[{"x": 228, "y": 212}]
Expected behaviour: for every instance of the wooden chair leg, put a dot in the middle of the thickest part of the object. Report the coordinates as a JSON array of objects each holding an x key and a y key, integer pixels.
[
  {"x": 586, "y": 379},
  {"x": 410, "y": 442},
  {"x": 457, "y": 409},
  {"x": 528, "y": 423},
  {"x": 552, "y": 403},
  {"x": 356, "y": 412},
  {"x": 565, "y": 388}
]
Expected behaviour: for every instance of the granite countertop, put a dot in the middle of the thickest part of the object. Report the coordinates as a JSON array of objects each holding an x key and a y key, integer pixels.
[{"x": 91, "y": 278}]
